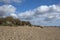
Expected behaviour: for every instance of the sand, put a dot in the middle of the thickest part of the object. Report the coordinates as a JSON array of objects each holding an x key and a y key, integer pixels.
[{"x": 29, "y": 33}]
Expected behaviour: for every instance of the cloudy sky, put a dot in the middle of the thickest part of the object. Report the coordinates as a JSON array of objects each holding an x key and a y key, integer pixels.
[{"x": 38, "y": 12}]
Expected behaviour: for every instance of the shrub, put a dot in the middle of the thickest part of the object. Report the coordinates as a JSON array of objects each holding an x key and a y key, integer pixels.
[{"x": 10, "y": 21}]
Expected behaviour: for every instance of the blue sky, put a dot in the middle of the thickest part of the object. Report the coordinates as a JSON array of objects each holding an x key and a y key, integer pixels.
[
  {"x": 31, "y": 4},
  {"x": 38, "y": 12}
]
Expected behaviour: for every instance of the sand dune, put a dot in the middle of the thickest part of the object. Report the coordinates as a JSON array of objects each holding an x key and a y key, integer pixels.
[{"x": 29, "y": 33}]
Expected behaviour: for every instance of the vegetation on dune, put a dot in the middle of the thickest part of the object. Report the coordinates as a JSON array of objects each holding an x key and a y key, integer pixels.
[{"x": 10, "y": 21}]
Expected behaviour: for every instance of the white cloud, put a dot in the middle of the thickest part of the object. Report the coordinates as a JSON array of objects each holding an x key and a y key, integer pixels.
[
  {"x": 43, "y": 13},
  {"x": 14, "y": 15},
  {"x": 7, "y": 10},
  {"x": 43, "y": 8},
  {"x": 55, "y": 8},
  {"x": 26, "y": 14}
]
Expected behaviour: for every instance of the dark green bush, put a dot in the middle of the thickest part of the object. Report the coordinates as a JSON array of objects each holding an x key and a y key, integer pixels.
[{"x": 10, "y": 21}]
